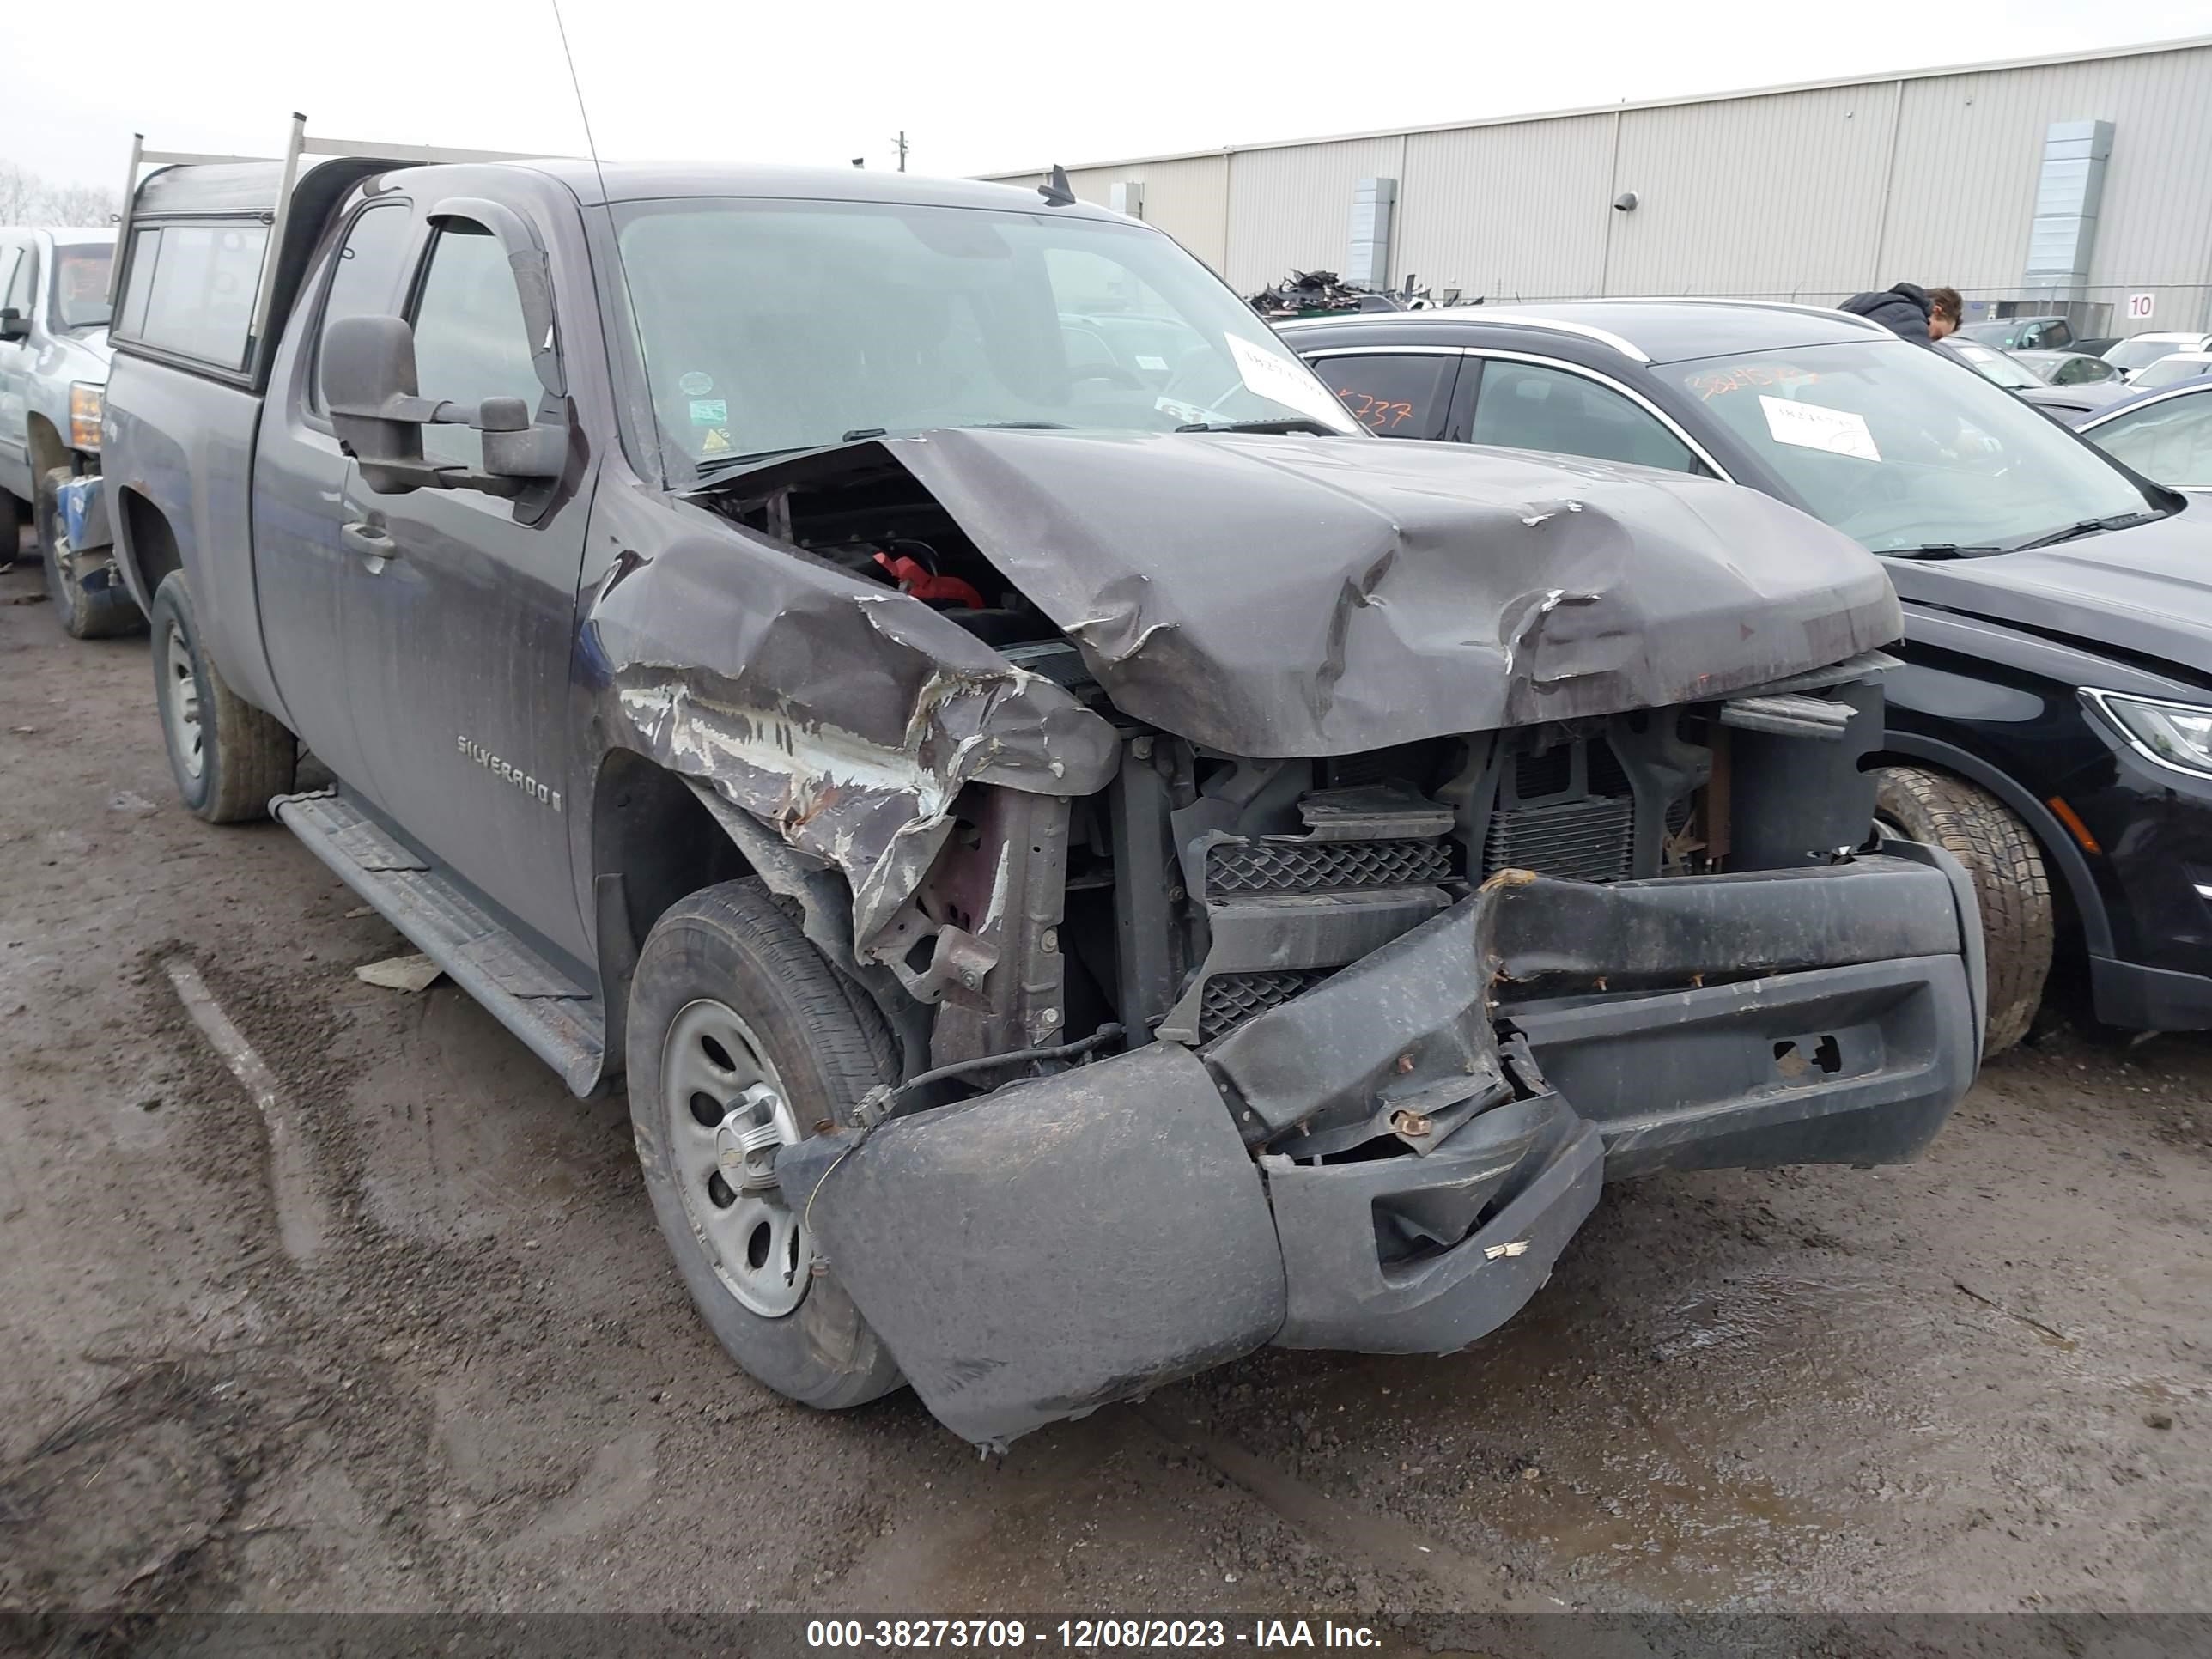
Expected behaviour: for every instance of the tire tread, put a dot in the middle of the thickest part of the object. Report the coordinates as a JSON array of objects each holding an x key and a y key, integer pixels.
[
  {"x": 2011, "y": 884},
  {"x": 251, "y": 757}
]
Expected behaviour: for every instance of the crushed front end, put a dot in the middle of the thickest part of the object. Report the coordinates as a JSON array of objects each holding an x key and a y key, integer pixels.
[
  {"x": 1299, "y": 871},
  {"x": 1390, "y": 1020}
]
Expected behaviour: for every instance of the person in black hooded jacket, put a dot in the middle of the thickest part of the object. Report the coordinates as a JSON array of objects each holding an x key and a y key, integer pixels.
[{"x": 1904, "y": 310}]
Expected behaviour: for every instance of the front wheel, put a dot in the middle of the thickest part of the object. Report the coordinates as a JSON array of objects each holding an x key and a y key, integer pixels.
[
  {"x": 227, "y": 757},
  {"x": 2010, "y": 883},
  {"x": 742, "y": 1039},
  {"x": 97, "y": 611}
]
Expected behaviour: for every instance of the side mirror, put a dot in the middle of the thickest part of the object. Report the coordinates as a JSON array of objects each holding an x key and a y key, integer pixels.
[
  {"x": 13, "y": 325},
  {"x": 369, "y": 382}
]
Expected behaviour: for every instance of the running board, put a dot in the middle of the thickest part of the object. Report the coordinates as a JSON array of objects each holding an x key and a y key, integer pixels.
[{"x": 557, "y": 1019}]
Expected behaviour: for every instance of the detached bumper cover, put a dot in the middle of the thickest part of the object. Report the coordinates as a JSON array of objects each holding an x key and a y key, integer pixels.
[
  {"x": 1060, "y": 1244},
  {"x": 83, "y": 504}
]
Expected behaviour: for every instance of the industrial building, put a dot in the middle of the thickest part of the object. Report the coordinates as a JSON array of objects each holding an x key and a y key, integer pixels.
[{"x": 2080, "y": 185}]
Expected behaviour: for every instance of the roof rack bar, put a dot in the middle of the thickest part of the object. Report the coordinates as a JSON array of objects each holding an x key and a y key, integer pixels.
[
  {"x": 299, "y": 144},
  {"x": 266, "y": 295},
  {"x": 420, "y": 155},
  {"x": 123, "y": 220},
  {"x": 170, "y": 158}
]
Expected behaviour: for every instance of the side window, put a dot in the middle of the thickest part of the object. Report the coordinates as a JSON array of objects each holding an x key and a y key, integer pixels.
[
  {"x": 2168, "y": 442},
  {"x": 8, "y": 258},
  {"x": 199, "y": 295},
  {"x": 366, "y": 276},
  {"x": 1526, "y": 406},
  {"x": 1400, "y": 394},
  {"x": 471, "y": 342},
  {"x": 145, "y": 258}
]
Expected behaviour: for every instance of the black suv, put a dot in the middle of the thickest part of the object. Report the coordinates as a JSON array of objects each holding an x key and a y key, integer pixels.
[{"x": 2053, "y": 723}]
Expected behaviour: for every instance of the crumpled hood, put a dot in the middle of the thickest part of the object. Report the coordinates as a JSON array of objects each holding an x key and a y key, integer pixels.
[
  {"x": 1286, "y": 596},
  {"x": 2147, "y": 589}
]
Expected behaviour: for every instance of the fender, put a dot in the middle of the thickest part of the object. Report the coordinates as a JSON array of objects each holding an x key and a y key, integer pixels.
[{"x": 2051, "y": 839}]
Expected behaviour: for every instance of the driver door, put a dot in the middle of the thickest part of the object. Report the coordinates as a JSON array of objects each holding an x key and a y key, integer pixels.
[{"x": 461, "y": 616}]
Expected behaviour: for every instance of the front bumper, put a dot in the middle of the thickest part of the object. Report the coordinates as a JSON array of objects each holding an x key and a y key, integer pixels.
[
  {"x": 2154, "y": 871},
  {"x": 1439, "y": 1117}
]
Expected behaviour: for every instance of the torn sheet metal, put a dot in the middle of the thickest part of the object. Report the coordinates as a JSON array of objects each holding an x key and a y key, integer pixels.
[
  {"x": 845, "y": 715},
  {"x": 1278, "y": 596}
]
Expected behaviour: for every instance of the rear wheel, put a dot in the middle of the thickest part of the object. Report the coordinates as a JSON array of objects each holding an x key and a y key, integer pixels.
[
  {"x": 2010, "y": 883},
  {"x": 87, "y": 612},
  {"x": 742, "y": 1039},
  {"x": 227, "y": 757}
]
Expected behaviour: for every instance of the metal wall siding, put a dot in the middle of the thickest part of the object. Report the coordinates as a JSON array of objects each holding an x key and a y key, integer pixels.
[
  {"x": 1291, "y": 209},
  {"x": 1969, "y": 146},
  {"x": 1810, "y": 194},
  {"x": 1187, "y": 198},
  {"x": 1511, "y": 212},
  {"x": 1778, "y": 196}
]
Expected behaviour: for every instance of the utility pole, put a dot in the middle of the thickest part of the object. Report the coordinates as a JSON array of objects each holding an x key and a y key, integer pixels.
[{"x": 901, "y": 140}]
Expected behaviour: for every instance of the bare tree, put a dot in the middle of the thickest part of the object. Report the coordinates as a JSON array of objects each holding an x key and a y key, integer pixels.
[
  {"x": 19, "y": 192},
  {"x": 28, "y": 199},
  {"x": 80, "y": 205}
]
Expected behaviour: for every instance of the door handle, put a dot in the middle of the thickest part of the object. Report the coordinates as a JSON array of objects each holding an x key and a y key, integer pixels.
[{"x": 371, "y": 541}]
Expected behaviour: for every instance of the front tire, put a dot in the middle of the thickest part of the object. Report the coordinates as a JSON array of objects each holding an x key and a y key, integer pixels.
[
  {"x": 85, "y": 613},
  {"x": 2010, "y": 883},
  {"x": 227, "y": 757},
  {"x": 741, "y": 1036}
]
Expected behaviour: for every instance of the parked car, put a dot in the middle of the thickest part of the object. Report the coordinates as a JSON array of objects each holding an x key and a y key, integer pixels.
[
  {"x": 2020, "y": 333},
  {"x": 53, "y": 370},
  {"x": 2053, "y": 722},
  {"x": 2138, "y": 351},
  {"x": 2069, "y": 369},
  {"x": 761, "y": 659},
  {"x": 2171, "y": 369},
  {"x": 2095, "y": 345},
  {"x": 2164, "y": 434},
  {"x": 2068, "y": 404}
]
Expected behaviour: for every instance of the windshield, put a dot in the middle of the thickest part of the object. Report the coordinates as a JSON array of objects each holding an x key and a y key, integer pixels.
[
  {"x": 767, "y": 325},
  {"x": 1900, "y": 449},
  {"x": 2172, "y": 370},
  {"x": 81, "y": 285},
  {"x": 2134, "y": 353},
  {"x": 1990, "y": 333},
  {"x": 1996, "y": 365}
]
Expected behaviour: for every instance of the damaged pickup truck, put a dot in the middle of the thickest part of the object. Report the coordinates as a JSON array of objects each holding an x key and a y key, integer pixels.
[{"x": 1089, "y": 863}]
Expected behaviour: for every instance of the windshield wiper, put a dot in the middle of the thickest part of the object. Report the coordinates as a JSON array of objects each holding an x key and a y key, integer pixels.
[
  {"x": 2086, "y": 527},
  {"x": 724, "y": 463},
  {"x": 1301, "y": 423},
  {"x": 1938, "y": 550}
]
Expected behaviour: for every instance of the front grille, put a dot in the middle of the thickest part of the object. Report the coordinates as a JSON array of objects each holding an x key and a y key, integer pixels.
[
  {"x": 1413, "y": 763},
  {"x": 1580, "y": 841},
  {"x": 1232, "y": 998},
  {"x": 1324, "y": 866}
]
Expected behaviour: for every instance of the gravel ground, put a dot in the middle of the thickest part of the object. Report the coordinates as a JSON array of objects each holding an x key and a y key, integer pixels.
[{"x": 463, "y": 1375}]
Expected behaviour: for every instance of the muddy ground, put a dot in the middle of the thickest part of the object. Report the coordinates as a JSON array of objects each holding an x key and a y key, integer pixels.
[{"x": 463, "y": 1376}]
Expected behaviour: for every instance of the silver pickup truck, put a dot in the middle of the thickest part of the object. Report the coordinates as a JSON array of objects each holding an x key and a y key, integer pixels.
[{"x": 53, "y": 376}]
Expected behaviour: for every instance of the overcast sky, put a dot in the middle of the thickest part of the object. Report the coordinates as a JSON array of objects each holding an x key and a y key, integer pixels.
[{"x": 978, "y": 85}]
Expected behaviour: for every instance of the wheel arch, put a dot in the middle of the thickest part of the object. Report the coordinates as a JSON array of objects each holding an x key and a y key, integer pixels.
[
  {"x": 146, "y": 545},
  {"x": 42, "y": 446},
  {"x": 653, "y": 842},
  {"x": 659, "y": 836},
  {"x": 2059, "y": 850}
]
